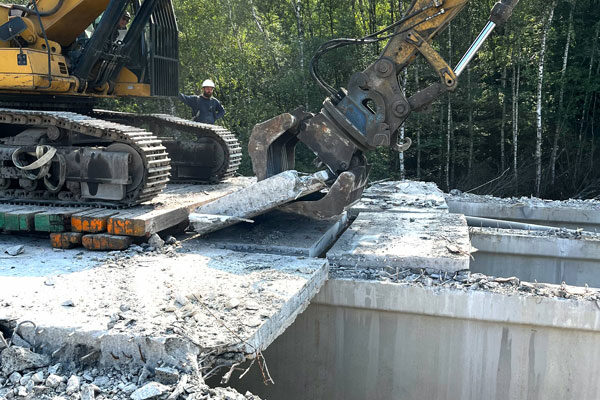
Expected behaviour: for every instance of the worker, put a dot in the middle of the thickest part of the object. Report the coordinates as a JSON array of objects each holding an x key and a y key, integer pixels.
[
  {"x": 205, "y": 108},
  {"x": 121, "y": 30}
]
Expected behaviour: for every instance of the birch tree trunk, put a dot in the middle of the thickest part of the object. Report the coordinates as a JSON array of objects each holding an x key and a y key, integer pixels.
[
  {"x": 515, "y": 122},
  {"x": 403, "y": 126},
  {"x": 234, "y": 27},
  {"x": 449, "y": 135},
  {"x": 470, "y": 100},
  {"x": 591, "y": 167},
  {"x": 296, "y": 5},
  {"x": 417, "y": 126},
  {"x": 503, "y": 122},
  {"x": 538, "y": 142},
  {"x": 402, "y": 129},
  {"x": 561, "y": 95},
  {"x": 441, "y": 130}
]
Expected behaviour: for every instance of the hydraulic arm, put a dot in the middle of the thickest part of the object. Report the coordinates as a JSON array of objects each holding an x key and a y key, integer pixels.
[{"x": 369, "y": 112}]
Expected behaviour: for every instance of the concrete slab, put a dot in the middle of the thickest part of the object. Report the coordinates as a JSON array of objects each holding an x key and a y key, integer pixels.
[
  {"x": 552, "y": 257},
  {"x": 164, "y": 308},
  {"x": 256, "y": 199},
  {"x": 572, "y": 214},
  {"x": 401, "y": 196},
  {"x": 432, "y": 241},
  {"x": 281, "y": 233}
]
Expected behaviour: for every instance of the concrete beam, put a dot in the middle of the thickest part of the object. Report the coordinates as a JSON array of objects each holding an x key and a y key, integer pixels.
[
  {"x": 281, "y": 233},
  {"x": 537, "y": 256},
  {"x": 433, "y": 241},
  {"x": 256, "y": 199},
  {"x": 569, "y": 214},
  {"x": 395, "y": 340}
]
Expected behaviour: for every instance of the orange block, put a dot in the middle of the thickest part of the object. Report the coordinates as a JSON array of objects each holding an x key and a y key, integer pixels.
[
  {"x": 65, "y": 240},
  {"x": 88, "y": 224},
  {"x": 124, "y": 226},
  {"x": 103, "y": 241}
]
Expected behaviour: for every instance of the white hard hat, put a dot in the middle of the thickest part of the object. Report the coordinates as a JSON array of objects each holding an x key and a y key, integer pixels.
[{"x": 208, "y": 83}]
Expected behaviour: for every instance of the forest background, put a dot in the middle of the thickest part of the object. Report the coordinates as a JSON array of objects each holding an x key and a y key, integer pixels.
[{"x": 525, "y": 119}]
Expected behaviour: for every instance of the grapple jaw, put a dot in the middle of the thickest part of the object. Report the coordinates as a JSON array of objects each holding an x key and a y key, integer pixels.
[{"x": 272, "y": 146}]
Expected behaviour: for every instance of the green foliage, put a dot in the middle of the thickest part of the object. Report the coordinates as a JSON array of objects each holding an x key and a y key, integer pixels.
[{"x": 252, "y": 49}]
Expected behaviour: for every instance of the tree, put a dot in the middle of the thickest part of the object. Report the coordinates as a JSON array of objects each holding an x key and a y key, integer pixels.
[{"x": 538, "y": 143}]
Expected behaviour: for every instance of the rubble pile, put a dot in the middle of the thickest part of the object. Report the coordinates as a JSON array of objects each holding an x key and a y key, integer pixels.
[
  {"x": 466, "y": 280},
  {"x": 27, "y": 375},
  {"x": 589, "y": 204},
  {"x": 561, "y": 233}
]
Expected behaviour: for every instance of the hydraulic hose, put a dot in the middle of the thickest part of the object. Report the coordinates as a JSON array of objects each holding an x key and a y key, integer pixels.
[{"x": 36, "y": 11}]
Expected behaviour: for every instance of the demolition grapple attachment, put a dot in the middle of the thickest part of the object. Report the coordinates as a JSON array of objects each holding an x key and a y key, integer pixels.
[{"x": 369, "y": 113}]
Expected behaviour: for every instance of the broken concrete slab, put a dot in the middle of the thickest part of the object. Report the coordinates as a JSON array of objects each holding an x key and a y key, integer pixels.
[
  {"x": 256, "y": 199},
  {"x": 17, "y": 359},
  {"x": 130, "y": 310},
  {"x": 433, "y": 241},
  {"x": 279, "y": 232},
  {"x": 401, "y": 196}
]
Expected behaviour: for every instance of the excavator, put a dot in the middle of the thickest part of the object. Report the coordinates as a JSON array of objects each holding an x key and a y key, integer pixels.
[
  {"x": 56, "y": 148},
  {"x": 369, "y": 112},
  {"x": 57, "y": 59}
]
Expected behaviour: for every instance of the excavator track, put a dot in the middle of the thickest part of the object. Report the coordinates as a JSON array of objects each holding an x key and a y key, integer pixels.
[
  {"x": 156, "y": 162},
  {"x": 181, "y": 138}
]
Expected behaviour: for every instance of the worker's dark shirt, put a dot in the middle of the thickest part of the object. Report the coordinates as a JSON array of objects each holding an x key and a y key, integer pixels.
[{"x": 204, "y": 110}]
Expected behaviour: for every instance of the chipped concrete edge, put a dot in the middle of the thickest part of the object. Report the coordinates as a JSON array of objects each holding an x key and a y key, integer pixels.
[
  {"x": 106, "y": 348},
  {"x": 282, "y": 319},
  {"x": 468, "y": 305}
]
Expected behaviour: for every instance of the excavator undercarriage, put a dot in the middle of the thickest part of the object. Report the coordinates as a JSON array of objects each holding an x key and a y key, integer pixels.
[{"x": 106, "y": 158}]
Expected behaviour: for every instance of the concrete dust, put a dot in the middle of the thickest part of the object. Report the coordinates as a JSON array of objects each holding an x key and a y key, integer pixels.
[
  {"x": 38, "y": 259},
  {"x": 177, "y": 194}
]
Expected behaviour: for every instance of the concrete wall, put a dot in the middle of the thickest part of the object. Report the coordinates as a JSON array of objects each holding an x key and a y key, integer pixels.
[
  {"x": 543, "y": 258},
  {"x": 566, "y": 217},
  {"x": 371, "y": 340}
]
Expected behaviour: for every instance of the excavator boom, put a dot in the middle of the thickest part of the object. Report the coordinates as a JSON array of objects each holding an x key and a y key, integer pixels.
[{"x": 369, "y": 112}]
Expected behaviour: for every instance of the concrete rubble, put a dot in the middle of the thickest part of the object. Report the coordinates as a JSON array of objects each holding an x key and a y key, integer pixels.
[
  {"x": 467, "y": 281},
  {"x": 401, "y": 196},
  {"x": 62, "y": 381}
]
